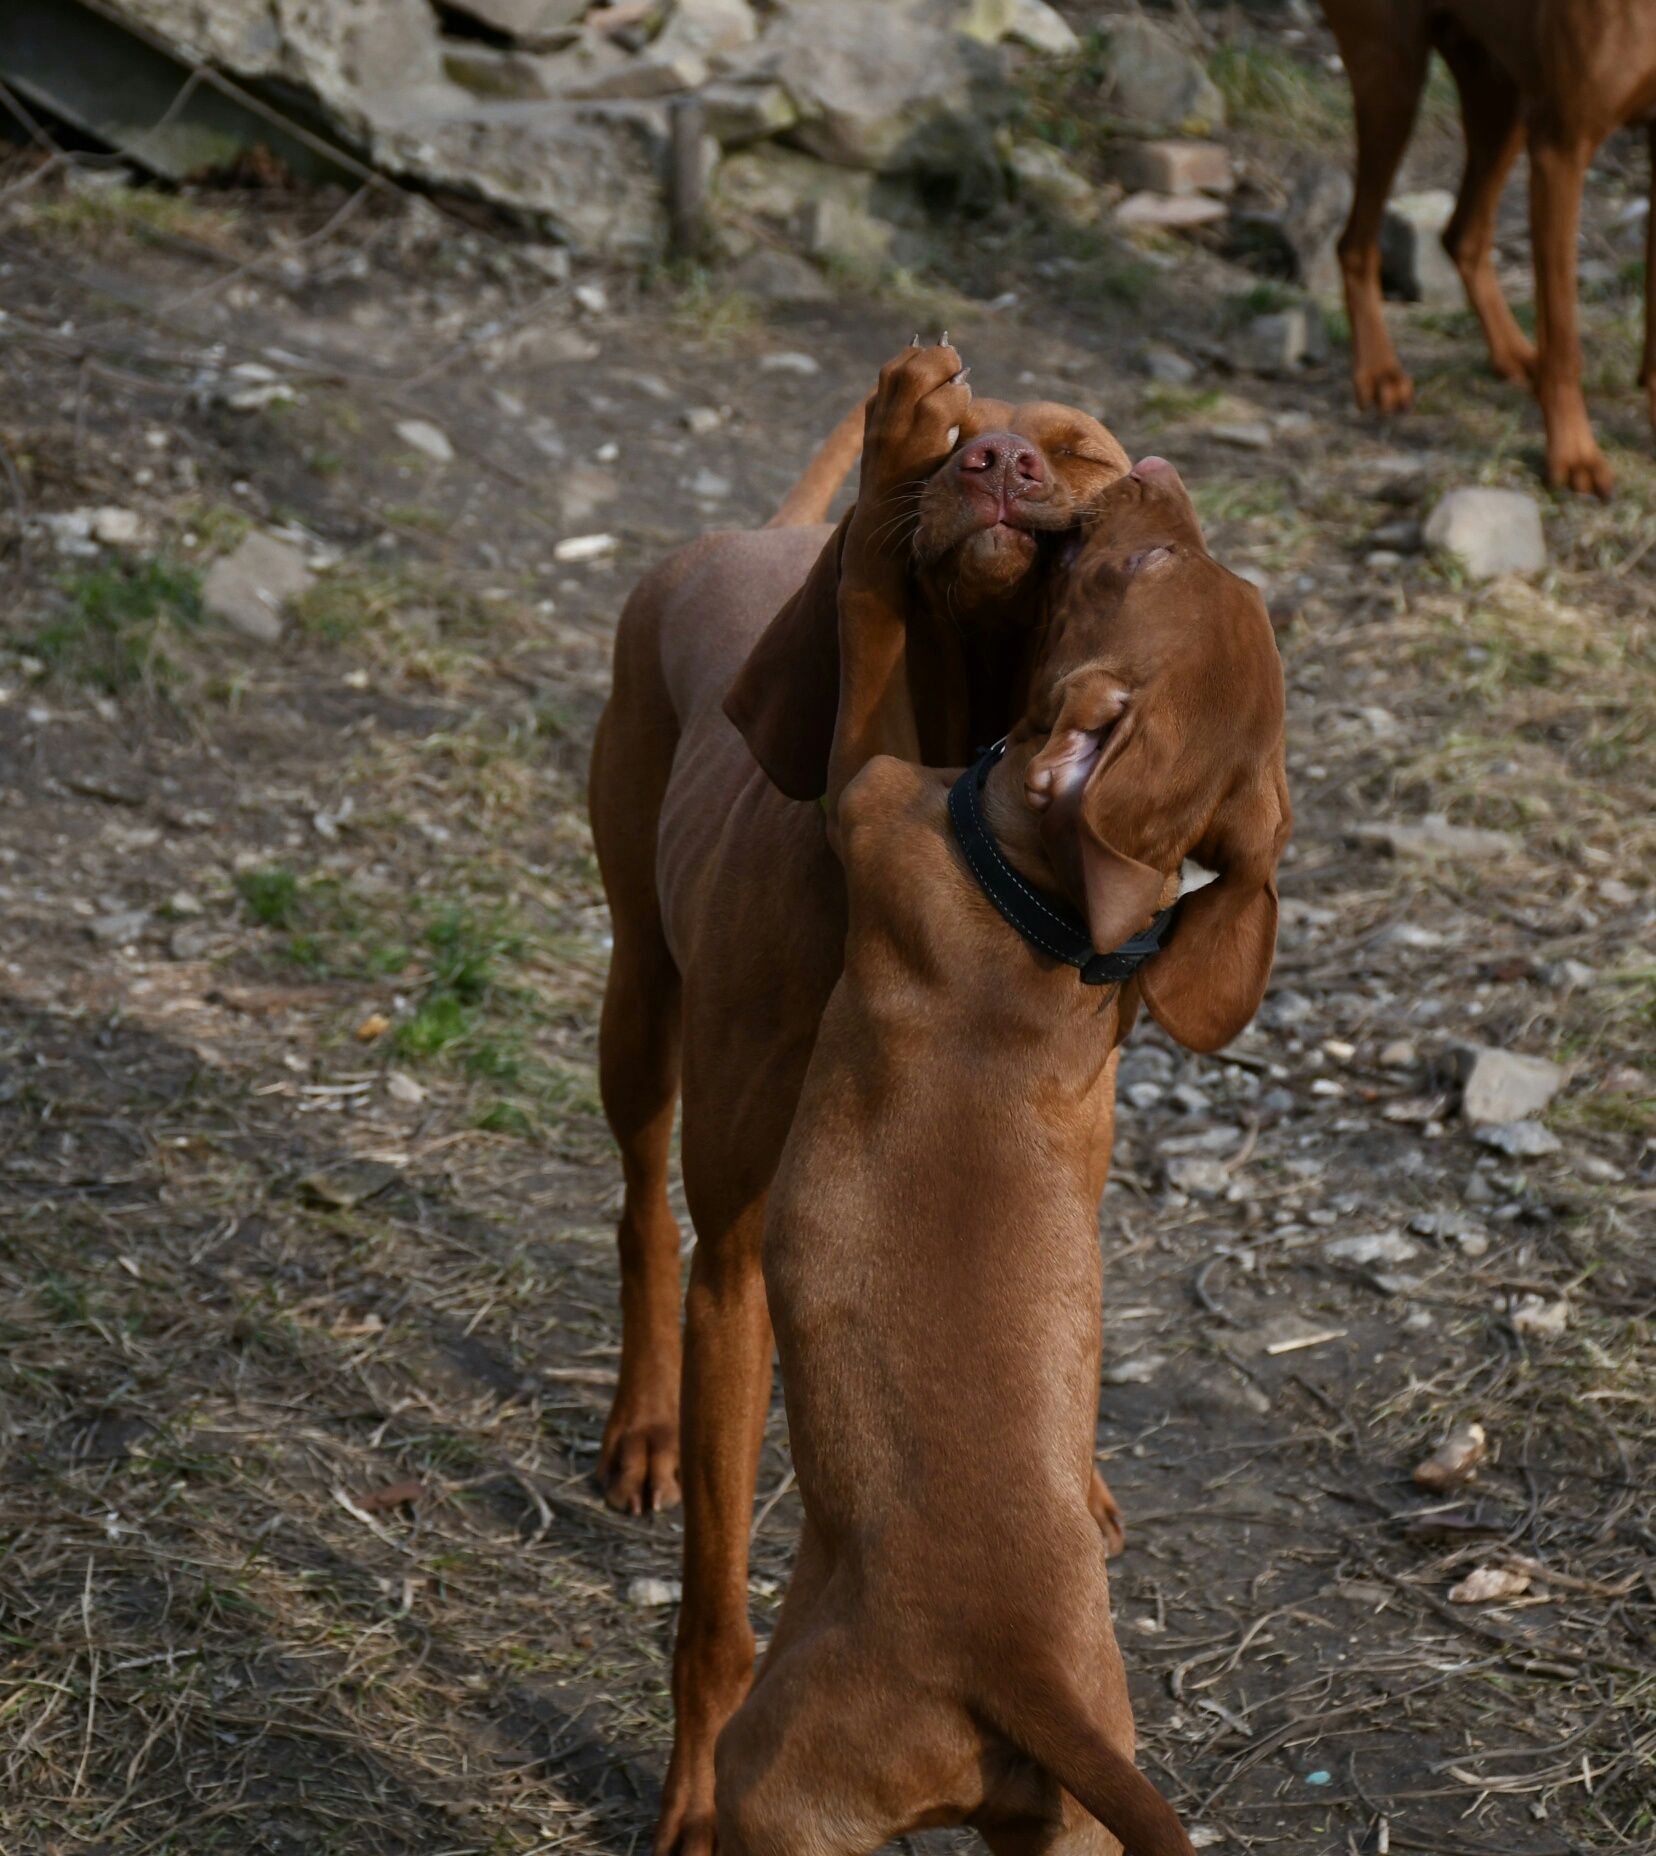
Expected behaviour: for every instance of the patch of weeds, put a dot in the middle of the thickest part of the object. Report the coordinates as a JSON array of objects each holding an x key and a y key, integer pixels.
[
  {"x": 705, "y": 307},
  {"x": 1273, "y": 92},
  {"x": 417, "y": 517},
  {"x": 1262, "y": 299},
  {"x": 271, "y": 895},
  {"x": 130, "y": 212},
  {"x": 1240, "y": 499},
  {"x": 1166, "y": 404},
  {"x": 465, "y": 952},
  {"x": 117, "y": 626}
]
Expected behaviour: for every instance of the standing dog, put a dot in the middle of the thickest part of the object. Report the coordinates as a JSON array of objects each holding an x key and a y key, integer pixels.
[
  {"x": 1557, "y": 74},
  {"x": 729, "y": 921},
  {"x": 945, "y": 1651}
]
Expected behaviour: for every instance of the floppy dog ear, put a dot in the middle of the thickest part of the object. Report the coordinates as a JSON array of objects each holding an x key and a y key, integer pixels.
[
  {"x": 786, "y": 695},
  {"x": 1209, "y": 979},
  {"x": 1150, "y": 795}
]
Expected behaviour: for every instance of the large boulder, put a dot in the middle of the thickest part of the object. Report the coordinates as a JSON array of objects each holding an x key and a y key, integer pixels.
[
  {"x": 1155, "y": 86},
  {"x": 875, "y": 92}
]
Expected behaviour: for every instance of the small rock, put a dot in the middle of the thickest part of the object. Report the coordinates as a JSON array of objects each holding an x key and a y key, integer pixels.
[
  {"x": 1382, "y": 560},
  {"x": 1200, "y": 1177},
  {"x": 249, "y": 587},
  {"x": 789, "y": 361},
  {"x": 1534, "y": 1314},
  {"x": 1283, "y": 341},
  {"x": 1039, "y": 26},
  {"x": 1048, "y": 182},
  {"x": 1153, "y": 83},
  {"x": 710, "y": 486},
  {"x": 426, "y": 437},
  {"x": 1603, "y": 1172},
  {"x": 1371, "y": 1248},
  {"x": 1143, "y": 1095},
  {"x": 738, "y": 113},
  {"x": 1188, "y": 1099},
  {"x": 1167, "y": 212},
  {"x": 1175, "y": 167},
  {"x": 1489, "y": 531},
  {"x": 1245, "y": 434},
  {"x": 1489, "y": 1584},
  {"x": 1404, "y": 536},
  {"x": 120, "y": 928},
  {"x": 1137, "y": 1371},
  {"x": 1434, "y": 836},
  {"x": 347, "y": 1182},
  {"x": 592, "y": 297},
  {"x": 1523, "y": 1140},
  {"x": 1502, "y": 1085},
  {"x": 700, "y": 420},
  {"x": 401, "y": 1087},
  {"x": 1413, "y": 263},
  {"x": 375, "y": 1025},
  {"x": 584, "y": 548},
  {"x": 652, "y": 1594},
  {"x": 1569, "y": 975},
  {"x": 1400, "y": 1054},
  {"x": 119, "y": 528},
  {"x": 1455, "y": 1461},
  {"x": 780, "y": 277},
  {"x": 1168, "y": 366}
]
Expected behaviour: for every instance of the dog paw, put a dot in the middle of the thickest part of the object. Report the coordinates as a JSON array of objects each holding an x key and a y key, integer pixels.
[
  {"x": 1384, "y": 389},
  {"x": 638, "y": 1467},
  {"x": 914, "y": 418},
  {"x": 1581, "y": 467}
]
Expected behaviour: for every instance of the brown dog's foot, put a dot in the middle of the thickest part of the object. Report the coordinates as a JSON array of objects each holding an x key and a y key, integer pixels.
[
  {"x": 681, "y": 1831},
  {"x": 1385, "y": 389},
  {"x": 1515, "y": 361},
  {"x": 1107, "y": 1513},
  {"x": 638, "y": 1467},
  {"x": 1580, "y": 466}
]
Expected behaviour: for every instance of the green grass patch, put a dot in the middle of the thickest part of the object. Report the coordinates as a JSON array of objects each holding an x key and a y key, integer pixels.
[
  {"x": 271, "y": 895},
  {"x": 118, "y": 627},
  {"x": 128, "y": 212}
]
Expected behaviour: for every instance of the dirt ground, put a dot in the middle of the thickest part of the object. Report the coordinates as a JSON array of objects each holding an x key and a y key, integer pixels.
[{"x": 307, "y": 1290}]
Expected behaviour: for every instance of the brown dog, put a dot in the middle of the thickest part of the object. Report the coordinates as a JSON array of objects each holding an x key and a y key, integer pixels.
[
  {"x": 729, "y": 922},
  {"x": 945, "y": 1652},
  {"x": 1559, "y": 74}
]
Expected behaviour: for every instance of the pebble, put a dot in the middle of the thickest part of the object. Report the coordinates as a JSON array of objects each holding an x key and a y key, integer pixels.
[
  {"x": 585, "y": 548},
  {"x": 1168, "y": 367},
  {"x": 652, "y": 1594},
  {"x": 592, "y": 297},
  {"x": 1489, "y": 531},
  {"x": 1372, "y": 1247},
  {"x": 1188, "y": 1098},
  {"x": 700, "y": 420},
  {"x": 1400, "y": 1054},
  {"x": 1143, "y": 1095},
  {"x": 428, "y": 438},
  {"x": 120, "y": 928},
  {"x": 1246, "y": 434},
  {"x": 1523, "y": 1140},
  {"x": 1534, "y": 1314},
  {"x": 789, "y": 361},
  {"x": 1198, "y": 1176},
  {"x": 1503, "y": 1085}
]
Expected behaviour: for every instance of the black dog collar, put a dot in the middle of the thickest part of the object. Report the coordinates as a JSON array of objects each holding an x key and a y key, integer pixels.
[{"x": 1044, "y": 921}]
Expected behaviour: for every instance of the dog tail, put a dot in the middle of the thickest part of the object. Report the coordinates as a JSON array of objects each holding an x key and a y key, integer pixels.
[
  {"x": 808, "y": 500},
  {"x": 1059, "y": 1735}
]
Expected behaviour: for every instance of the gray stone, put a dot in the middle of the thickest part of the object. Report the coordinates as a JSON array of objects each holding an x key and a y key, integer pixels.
[
  {"x": 1154, "y": 84},
  {"x": 1245, "y": 434},
  {"x": 1283, "y": 341},
  {"x": 1370, "y": 1248},
  {"x": 737, "y": 113},
  {"x": 1041, "y": 27},
  {"x": 1502, "y": 1085},
  {"x": 1319, "y": 200},
  {"x": 711, "y": 30},
  {"x": 1167, "y": 366},
  {"x": 828, "y": 227},
  {"x": 590, "y": 172},
  {"x": 1489, "y": 531},
  {"x": 1199, "y": 1176},
  {"x": 1413, "y": 263},
  {"x": 875, "y": 90},
  {"x": 487, "y": 71},
  {"x": 249, "y": 587},
  {"x": 1523, "y": 1140},
  {"x": 780, "y": 277},
  {"x": 1043, "y": 178},
  {"x": 120, "y": 928},
  {"x": 425, "y": 437},
  {"x": 1434, "y": 836}
]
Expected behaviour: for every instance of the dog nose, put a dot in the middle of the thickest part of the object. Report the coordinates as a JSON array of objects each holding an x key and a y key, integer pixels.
[
  {"x": 1005, "y": 457},
  {"x": 1146, "y": 468}
]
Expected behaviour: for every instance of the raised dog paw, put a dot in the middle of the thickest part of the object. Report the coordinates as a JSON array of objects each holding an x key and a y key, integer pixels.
[{"x": 912, "y": 424}]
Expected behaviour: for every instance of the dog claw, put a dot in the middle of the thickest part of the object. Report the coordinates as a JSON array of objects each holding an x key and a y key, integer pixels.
[
  {"x": 916, "y": 342},
  {"x": 943, "y": 339},
  {"x": 959, "y": 380}
]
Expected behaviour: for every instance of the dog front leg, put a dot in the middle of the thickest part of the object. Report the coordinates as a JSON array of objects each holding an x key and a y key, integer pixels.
[{"x": 1558, "y": 168}]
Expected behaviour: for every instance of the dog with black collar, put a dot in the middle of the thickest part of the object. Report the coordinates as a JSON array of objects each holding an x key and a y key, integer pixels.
[{"x": 945, "y": 1652}]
